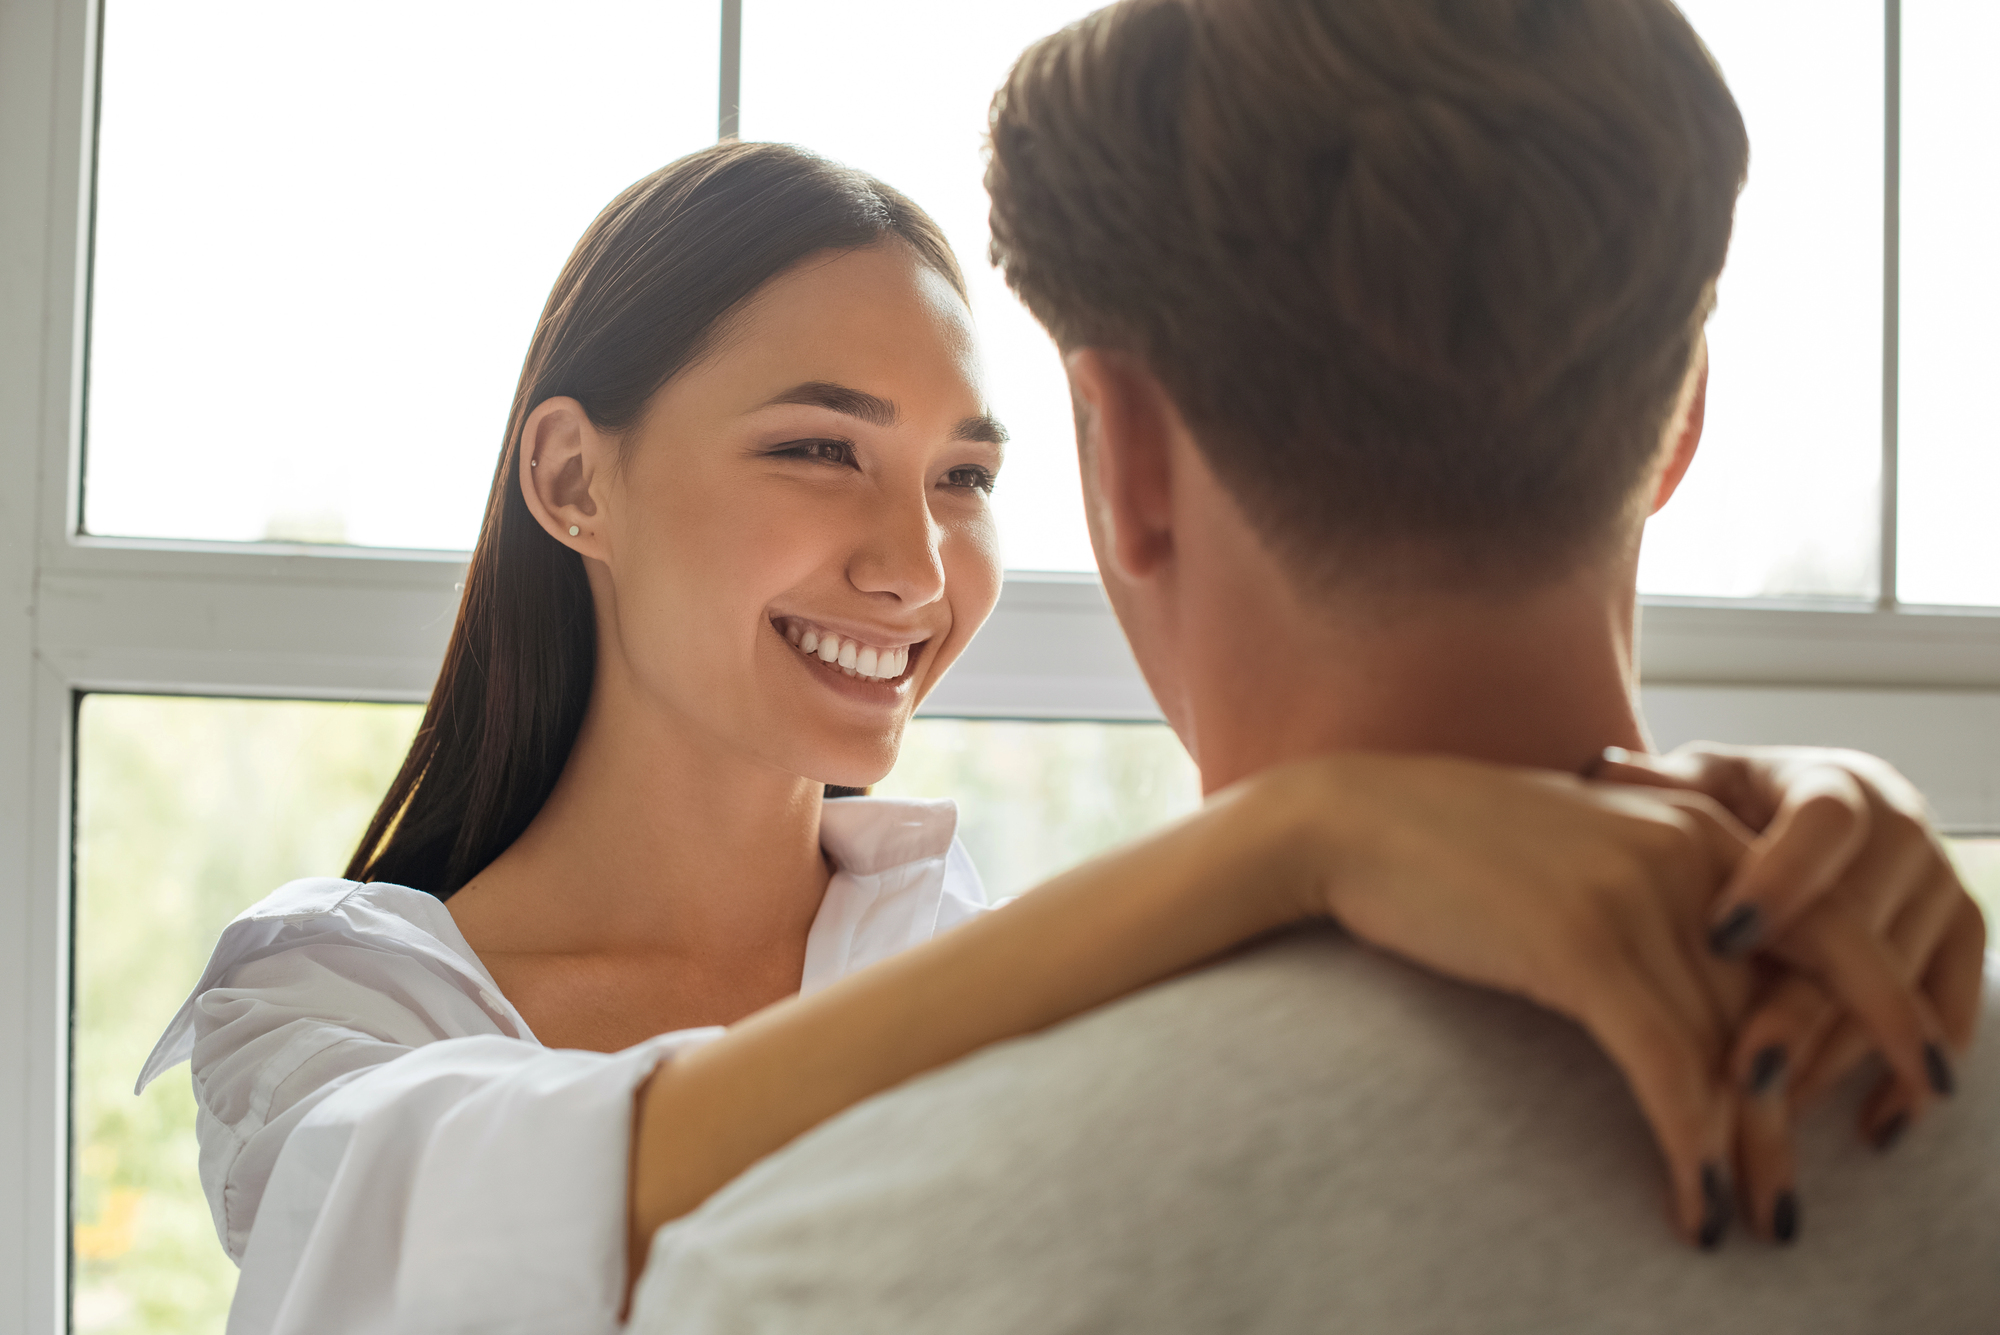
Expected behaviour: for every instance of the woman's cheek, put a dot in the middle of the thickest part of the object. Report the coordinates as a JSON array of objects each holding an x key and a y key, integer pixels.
[{"x": 973, "y": 575}]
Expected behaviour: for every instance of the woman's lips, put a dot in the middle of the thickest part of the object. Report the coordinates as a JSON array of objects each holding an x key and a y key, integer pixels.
[{"x": 848, "y": 654}]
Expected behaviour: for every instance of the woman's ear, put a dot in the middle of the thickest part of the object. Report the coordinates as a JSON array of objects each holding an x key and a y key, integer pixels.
[
  {"x": 1688, "y": 439},
  {"x": 565, "y": 461}
]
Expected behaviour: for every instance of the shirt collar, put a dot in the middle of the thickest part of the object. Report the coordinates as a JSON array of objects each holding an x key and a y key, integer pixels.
[{"x": 899, "y": 878}]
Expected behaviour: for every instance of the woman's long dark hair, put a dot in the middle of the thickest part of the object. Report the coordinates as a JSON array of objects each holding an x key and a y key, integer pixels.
[{"x": 636, "y": 304}]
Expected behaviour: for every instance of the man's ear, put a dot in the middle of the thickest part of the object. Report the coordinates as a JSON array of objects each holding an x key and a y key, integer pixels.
[
  {"x": 564, "y": 462},
  {"x": 1127, "y": 427},
  {"x": 1688, "y": 440}
]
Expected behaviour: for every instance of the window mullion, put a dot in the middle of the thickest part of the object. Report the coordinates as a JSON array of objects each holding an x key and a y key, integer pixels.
[
  {"x": 730, "y": 85},
  {"x": 1892, "y": 209}
]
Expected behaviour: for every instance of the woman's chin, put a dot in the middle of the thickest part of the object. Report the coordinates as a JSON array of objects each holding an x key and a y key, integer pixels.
[{"x": 858, "y": 766}]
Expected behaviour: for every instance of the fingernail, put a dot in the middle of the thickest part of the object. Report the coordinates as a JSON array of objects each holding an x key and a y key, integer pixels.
[
  {"x": 1891, "y": 1131},
  {"x": 1766, "y": 1068},
  {"x": 1938, "y": 1067},
  {"x": 1736, "y": 933},
  {"x": 1785, "y": 1216},
  {"x": 1715, "y": 1207}
]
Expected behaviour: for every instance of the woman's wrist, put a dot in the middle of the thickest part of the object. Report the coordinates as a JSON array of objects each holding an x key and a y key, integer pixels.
[{"x": 1297, "y": 815}]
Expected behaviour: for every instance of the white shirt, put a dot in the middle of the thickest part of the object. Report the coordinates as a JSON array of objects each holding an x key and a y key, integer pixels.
[{"x": 387, "y": 1147}]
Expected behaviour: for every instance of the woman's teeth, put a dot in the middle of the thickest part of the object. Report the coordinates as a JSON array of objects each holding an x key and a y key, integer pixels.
[{"x": 850, "y": 656}]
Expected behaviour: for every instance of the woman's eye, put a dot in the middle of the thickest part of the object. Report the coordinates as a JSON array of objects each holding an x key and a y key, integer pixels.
[
  {"x": 970, "y": 477},
  {"x": 823, "y": 451}
]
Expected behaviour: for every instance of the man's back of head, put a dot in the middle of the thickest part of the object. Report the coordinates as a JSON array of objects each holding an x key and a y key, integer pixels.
[{"x": 1425, "y": 277}]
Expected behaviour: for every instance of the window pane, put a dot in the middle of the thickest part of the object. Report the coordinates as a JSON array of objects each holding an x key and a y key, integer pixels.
[
  {"x": 1783, "y": 498},
  {"x": 324, "y": 234},
  {"x": 900, "y": 88},
  {"x": 188, "y": 811},
  {"x": 1949, "y": 443},
  {"x": 1035, "y": 798}
]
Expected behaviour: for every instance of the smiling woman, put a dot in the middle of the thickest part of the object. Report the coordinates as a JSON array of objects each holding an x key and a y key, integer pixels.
[
  {"x": 642, "y": 299},
  {"x": 744, "y": 498}
]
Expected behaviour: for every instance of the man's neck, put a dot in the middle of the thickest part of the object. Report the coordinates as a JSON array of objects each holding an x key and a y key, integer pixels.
[{"x": 1544, "y": 679}]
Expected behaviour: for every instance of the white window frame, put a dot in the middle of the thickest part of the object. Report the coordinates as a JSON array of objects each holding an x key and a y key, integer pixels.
[{"x": 80, "y": 613}]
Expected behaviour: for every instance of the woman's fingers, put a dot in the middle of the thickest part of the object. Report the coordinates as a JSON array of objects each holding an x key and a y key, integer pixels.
[
  {"x": 1820, "y": 830},
  {"x": 1936, "y": 947},
  {"x": 1766, "y": 1180},
  {"x": 1879, "y": 992},
  {"x": 1832, "y": 824},
  {"x": 1722, "y": 773},
  {"x": 1953, "y": 978},
  {"x": 1675, "y": 1082},
  {"x": 1783, "y": 1036}
]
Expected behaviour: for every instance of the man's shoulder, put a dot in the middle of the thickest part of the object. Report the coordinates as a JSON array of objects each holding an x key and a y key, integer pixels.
[{"x": 1313, "y": 1135}]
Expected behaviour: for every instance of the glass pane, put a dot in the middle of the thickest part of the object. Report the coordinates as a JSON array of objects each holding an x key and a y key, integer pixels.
[
  {"x": 324, "y": 234},
  {"x": 1783, "y": 499},
  {"x": 187, "y": 811},
  {"x": 910, "y": 106},
  {"x": 1979, "y": 867},
  {"x": 1035, "y": 798},
  {"x": 1949, "y": 442}
]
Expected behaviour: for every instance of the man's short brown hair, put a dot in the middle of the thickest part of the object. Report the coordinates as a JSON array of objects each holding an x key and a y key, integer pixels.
[{"x": 1424, "y": 276}]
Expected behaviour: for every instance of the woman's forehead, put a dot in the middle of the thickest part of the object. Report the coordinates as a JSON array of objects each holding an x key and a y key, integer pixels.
[{"x": 877, "y": 321}]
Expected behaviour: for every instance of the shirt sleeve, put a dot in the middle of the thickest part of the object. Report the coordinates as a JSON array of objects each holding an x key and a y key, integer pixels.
[
  {"x": 385, "y": 1151},
  {"x": 474, "y": 1184}
]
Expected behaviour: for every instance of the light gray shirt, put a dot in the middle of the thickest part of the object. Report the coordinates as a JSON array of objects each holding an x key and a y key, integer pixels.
[{"x": 1313, "y": 1137}]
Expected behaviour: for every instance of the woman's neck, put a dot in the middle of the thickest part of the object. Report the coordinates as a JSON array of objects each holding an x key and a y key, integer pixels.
[{"x": 659, "y": 839}]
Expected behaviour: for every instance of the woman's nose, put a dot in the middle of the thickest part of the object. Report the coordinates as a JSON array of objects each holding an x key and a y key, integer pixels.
[{"x": 900, "y": 554}]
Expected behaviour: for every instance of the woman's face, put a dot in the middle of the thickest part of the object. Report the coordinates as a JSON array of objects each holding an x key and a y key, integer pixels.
[{"x": 796, "y": 540}]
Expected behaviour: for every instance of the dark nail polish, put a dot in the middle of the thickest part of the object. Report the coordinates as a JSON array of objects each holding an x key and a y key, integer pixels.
[
  {"x": 1938, "y": 1067},
  {"x": 1715, "y": 1206},
  {"x": 1891, "y": 1131},
  {"x": 1767, "y": 1068},
  {"x": 1785, "y": 1216},
  {"x": 1737, "y": 933}
]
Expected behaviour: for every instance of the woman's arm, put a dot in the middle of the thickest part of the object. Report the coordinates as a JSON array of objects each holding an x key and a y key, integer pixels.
[{"x": 1588, "y": 898}]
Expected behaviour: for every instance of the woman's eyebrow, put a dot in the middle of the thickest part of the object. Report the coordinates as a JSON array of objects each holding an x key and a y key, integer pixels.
[
  {"x": 980, "y": 428},
  {"x": 857, "y": 403},
  {"x": 878, "y": 411}
]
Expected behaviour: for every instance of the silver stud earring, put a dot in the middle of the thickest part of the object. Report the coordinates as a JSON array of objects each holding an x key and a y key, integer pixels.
[
  {"x": 534, "y": 463},
  {"x": 572, "y": 530}
]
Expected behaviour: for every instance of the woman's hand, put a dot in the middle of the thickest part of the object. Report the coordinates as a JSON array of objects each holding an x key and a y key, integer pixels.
[
  {"x": 1849, "y": 889},
  {"x": 1591, "y": 899}
]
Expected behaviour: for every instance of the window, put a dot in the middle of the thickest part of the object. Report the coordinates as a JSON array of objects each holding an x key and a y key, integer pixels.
[{"x": 250, "y": 242}]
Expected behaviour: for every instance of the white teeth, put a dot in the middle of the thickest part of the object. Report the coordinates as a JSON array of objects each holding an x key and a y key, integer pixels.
[{"x": 852, "y": 657}]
